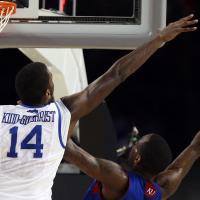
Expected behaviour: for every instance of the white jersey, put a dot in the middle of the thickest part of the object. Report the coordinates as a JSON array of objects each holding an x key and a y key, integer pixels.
[{"x": 32, "y": 144}]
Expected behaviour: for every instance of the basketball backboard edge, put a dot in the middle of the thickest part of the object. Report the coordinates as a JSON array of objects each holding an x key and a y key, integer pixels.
[{"x": 48, "y": 34}]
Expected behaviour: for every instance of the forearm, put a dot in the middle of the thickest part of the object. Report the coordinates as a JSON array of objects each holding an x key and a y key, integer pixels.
[
  {"x": 171, "y": 178},
  {"x": 120, "y": 71},
  {"x": 184, "y": 161},
  {"x": 83, "y": 103},
  {"x": 128, "y": 64},
  {"x": 131, "y": 62}
]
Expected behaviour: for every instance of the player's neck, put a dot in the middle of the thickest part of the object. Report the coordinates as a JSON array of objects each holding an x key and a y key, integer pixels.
[
  {"x": 128, "y": 167},
  {"x": 33, "y": 105},
  {"x": 145, "y": 175}
]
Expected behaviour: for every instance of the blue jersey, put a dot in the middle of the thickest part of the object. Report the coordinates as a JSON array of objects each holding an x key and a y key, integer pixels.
[{"x": 139, "y": 189}]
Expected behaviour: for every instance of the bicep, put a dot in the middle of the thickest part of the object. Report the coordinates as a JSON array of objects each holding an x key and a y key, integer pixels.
[
  {"x": 74, "y": 103},
  {"x": 105, "y": 171},
  {"x": 82, "y": 103},
  {"x": 169, "y": 181},
  {"x": 112, "y": 176},
  {"x": 70, "y": 102}
]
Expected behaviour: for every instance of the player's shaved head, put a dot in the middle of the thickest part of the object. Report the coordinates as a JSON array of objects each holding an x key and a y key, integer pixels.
[
  {"x": 155, "y": 154},
  {"x": 32, "y": 82}
]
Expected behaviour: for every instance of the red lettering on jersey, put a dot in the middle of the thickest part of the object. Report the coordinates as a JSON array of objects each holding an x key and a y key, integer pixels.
[
  {"x": 96, "y": 188},
  {"x": 150, "y": 190}
]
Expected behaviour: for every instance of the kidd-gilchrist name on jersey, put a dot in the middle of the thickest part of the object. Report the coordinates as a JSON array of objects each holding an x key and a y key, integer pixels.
[
  {"x": 32, "y": 142},
  {"x": 42, "y": 116}
]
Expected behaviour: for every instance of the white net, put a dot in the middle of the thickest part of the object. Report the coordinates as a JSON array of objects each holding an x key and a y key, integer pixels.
[{"x": 6, "y": 10}]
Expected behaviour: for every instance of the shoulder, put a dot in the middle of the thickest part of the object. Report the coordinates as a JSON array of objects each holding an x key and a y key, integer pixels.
[
  {"x": 138, "y": 186},
  {"x": 61, "y": 106},
  {"x": 7, "y": 107}
]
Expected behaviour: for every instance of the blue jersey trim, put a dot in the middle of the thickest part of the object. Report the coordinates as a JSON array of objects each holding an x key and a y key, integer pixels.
[
  {"x": 59, "y": 126},
  {"x": 29, "y": 106}
]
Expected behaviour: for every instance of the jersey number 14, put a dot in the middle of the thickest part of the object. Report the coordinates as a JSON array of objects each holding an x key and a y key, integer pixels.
[{"x": 25, "y": 144}]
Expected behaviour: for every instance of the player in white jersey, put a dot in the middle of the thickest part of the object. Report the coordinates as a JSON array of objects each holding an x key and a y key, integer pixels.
[
  {"x": 33, "y": 134},
  {"x": 31, "y": 143}
]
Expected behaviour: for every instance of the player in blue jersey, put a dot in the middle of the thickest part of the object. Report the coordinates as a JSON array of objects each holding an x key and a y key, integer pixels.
[
  {"x": 150, "y": 175},
  {"x": 34, "y": 133}
]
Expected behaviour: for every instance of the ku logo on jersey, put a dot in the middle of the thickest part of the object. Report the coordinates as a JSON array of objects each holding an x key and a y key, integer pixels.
[
  {"x": 96, "y": 188},
  {"x": 150, "y": 190}
]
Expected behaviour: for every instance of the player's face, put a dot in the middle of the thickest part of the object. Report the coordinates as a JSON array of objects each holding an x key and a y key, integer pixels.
[{"x": 134, "y": 156}]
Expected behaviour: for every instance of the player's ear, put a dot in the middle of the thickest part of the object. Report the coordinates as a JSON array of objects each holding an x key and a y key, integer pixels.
[
  {"x": 19, "y": 102},
  {"x": 48, "y": 93},
  {"x": 47, "y": 96},
  {"x": 137, "y": 159}
]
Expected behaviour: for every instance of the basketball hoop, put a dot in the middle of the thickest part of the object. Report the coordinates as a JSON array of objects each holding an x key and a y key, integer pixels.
[{"x": 6, "y": 10}]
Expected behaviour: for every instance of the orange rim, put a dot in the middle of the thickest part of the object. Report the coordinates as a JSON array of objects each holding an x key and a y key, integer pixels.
[{"x": 5, "y": 5}]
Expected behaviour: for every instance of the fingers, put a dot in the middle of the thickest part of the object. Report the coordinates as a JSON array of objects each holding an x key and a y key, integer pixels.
[
  {"x": 189, "y": 17},
  {"x": 187, "y": 21},
  {"x": 192, "y": 22},
  {"x": 186, "y": 24},
  {"x": 189, "y": 29}
]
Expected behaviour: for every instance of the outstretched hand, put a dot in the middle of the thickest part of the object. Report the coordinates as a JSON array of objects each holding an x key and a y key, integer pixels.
[{"x": 186, "y": 24}]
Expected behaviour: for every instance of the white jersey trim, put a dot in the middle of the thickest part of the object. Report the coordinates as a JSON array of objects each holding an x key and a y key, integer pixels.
[{"x": 62, "y": 127}]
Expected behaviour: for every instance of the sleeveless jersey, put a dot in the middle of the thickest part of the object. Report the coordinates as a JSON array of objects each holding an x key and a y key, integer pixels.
[
  {"x": 139, "y": 189},
  {"x": 32, "y": 144}
]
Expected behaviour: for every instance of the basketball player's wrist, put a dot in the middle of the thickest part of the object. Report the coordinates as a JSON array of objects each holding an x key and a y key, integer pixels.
[{"x": 160, "y": 41}]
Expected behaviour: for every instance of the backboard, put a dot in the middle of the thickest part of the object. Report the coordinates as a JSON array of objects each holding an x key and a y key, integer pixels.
[
  {"x": 112, "y": 28},
  {"x": 26, "y": 9}
]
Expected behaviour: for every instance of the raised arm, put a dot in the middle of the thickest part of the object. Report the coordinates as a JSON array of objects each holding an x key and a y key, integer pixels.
[
  {"x": 84, "y": 102},
  {"x": 107, "y": 172},
  {"x": 170, "y": 179}
]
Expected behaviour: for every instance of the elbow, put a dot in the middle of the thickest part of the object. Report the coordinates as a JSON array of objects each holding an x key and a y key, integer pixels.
[{"x": 69, "y": 149}]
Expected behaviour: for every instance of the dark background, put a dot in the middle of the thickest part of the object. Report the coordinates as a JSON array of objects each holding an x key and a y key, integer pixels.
[{"x": 162, "y": 97}]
